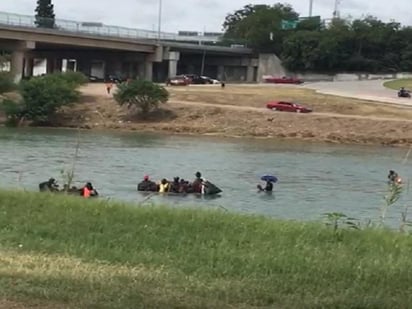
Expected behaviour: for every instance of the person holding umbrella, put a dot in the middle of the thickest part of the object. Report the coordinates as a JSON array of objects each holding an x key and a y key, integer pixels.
[{"x": 270, "y": 180}]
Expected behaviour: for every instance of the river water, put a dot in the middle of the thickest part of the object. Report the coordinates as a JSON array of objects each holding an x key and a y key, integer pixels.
[{"x": 314, "y": 178}]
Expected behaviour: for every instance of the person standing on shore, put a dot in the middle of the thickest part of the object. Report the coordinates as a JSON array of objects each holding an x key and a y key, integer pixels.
[{"x": 109, "y": 86}]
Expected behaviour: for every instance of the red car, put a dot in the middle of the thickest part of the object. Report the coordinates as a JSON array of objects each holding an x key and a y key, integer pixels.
[
  {"x": 283, "y": 80},
  {"x": 287, "y": 107},
  {"x": 180, "y": 80}
]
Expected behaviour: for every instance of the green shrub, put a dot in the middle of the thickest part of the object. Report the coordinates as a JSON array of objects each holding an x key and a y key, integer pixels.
[
  {"x": 42, "y": 97},
  {"x": 141, "y": 94},
  {"x": 75, "y": 78},
  {"x": 6, "y": 82}
]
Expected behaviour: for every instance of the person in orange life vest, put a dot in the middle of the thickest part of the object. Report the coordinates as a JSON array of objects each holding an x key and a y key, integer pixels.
[{"x": 89, "y": 191}]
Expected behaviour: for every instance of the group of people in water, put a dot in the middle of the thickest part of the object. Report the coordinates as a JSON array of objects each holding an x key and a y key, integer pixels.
[
  {"x": 178, "y": 185},
  {"x": 51, "y": 185}
]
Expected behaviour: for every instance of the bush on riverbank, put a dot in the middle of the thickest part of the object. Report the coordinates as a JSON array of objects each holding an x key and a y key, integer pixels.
[
  {"x": 143, "y": 95},
  {"x": 6, "y": 82},
  {"x": 42, "y": 96},
  {"x": 99, "y": 254}
]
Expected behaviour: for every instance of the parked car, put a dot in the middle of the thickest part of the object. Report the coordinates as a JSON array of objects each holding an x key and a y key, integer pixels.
[
  {"x": 115, "y": 79},
  {"x": 197, "y": 80},
  {"x": 95, "y": 79},
  {"x": 283, "y": 80},
  {"x": 210, "y": 80},
  {"x": 287, "y": 107},
  {"x": 180, "y": 80}
]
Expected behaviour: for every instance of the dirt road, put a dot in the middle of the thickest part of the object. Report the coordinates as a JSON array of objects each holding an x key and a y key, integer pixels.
[{"x": 269, "y": 112}]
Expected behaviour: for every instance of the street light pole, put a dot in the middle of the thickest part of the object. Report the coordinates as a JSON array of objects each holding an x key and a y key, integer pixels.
[
  {"x": 159, "y": 22},
  {"x": 310, "y": 7}
]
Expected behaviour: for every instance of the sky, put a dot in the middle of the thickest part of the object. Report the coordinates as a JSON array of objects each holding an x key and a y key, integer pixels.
[{"x": 199, "y": 15}]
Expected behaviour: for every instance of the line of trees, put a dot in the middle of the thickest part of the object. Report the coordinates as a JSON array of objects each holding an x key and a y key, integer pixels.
[{"x": 361, "y": 45}]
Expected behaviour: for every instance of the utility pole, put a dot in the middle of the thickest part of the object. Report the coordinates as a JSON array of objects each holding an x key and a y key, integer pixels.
[
  {"x": 310, "y": 8},
  {"x": 159, "y": 22},
  {"x": 336, "y": 13}
]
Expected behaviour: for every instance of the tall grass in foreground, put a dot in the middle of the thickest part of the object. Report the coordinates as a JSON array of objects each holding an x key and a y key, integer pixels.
[{"x": 91, "y": 254}]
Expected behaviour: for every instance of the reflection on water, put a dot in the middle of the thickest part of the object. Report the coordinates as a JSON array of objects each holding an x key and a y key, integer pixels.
[{"x": 314, "y": 178}]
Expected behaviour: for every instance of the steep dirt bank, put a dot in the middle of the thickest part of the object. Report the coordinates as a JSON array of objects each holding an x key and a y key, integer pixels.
[{"x": 239, "y": 111}]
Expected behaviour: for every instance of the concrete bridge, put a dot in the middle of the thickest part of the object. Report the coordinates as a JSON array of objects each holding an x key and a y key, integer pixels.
[{"x": 100, "y": 50}]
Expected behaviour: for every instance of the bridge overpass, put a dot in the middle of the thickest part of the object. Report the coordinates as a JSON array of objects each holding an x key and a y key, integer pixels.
[{"x": 102, "y": 50}]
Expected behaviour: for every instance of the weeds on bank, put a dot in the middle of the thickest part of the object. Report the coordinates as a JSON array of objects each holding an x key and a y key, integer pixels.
[
  {"x": 68, "y": 175},
  {"x": 393, "y": 195},
  {"x": 337, "y": 221},
  {"x": 340, "y": 221}
]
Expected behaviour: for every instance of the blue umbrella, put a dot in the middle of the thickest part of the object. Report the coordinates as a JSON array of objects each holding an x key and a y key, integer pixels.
[{"x": 270, "y": 178}]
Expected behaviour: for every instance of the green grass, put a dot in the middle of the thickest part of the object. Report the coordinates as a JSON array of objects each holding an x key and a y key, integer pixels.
[
  {"x": 398, "y": 83},
  {"x": 91, "y": 254}
]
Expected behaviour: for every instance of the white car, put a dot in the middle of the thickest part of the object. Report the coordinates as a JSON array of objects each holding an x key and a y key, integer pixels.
[{"x": 211, "y": 80}]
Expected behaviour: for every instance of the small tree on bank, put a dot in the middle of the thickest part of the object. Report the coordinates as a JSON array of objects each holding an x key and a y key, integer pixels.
[
  {"x": 6, "y": 83},
  {"x": 141, "y": 94},
  {"x": 42, "y": 97},
  {"x": 45, "y": 17}
]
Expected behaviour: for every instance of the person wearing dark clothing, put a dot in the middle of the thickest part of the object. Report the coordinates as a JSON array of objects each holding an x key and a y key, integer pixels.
[
  {"x": 394, "y": 177},
  {"x": 175, "y": 185},
  {"x": 49, "y": 185},
  {"x": 267, "y": 188},
  {"x": 147, "y": 185},
  {"x": 184, "y": 186},
  {"x": 197, "y": 183}
]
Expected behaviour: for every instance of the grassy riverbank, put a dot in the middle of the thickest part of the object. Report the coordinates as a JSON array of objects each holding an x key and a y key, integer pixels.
[
  {"x": 398, "y": 83},
  {"x": 67, "y": 252}
]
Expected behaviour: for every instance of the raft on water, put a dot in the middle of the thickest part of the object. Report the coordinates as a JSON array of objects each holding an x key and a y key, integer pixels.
[{"x": 209, "y": 190}]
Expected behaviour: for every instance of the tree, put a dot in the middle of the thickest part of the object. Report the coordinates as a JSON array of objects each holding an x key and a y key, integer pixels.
[
  {"x": 6, "y": 82},
  {"x": 41, "y": 98},
  {"x": 259, "y": 26},
  {"x": 45, "y": 17},
  {"x": 141, "y": 94}
]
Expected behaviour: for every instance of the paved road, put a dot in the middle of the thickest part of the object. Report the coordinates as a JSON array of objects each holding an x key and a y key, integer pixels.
[{"x": 366, "y": 90}]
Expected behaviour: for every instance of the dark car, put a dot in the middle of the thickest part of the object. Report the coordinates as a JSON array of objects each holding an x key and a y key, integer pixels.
[
  {"x": 283, "y": 80},
  {"x": 95, "y": 79},
  {"x": 115, "y": 79},
  {"x": 287, "y": 107}
]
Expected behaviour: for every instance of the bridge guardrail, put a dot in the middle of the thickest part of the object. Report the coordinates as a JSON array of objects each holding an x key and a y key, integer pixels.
[{"x": 27, "y": 21}]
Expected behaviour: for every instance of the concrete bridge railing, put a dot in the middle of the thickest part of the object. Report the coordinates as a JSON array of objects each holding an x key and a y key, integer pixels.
[{"x": 99, "y": 29}]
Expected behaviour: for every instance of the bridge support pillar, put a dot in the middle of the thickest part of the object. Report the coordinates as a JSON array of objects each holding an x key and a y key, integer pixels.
[
  {"x": 148, "y": 68},
  {"x": 250, "y": 74},
  {"x": 17, "y": 58},
  {"x": 172, "y": 68},
  {"x": 28, "y": 66},
  {"x": 173, "y": 57},
  {"x": 49, "y": 65},
  {"x": 17, "y": 65},
  {"x": 221, "y": 72},
  {"x": 58, "y": 64},
  {"x": 141, "y": 70}
]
